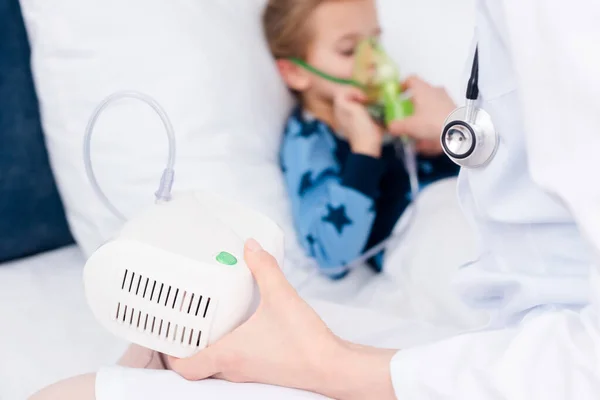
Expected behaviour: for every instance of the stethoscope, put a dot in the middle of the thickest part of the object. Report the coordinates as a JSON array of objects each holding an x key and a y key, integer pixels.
[{"x": 469, "y": 137}]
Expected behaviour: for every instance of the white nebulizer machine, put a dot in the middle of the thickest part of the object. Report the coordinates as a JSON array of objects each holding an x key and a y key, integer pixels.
[{"x": 174, "y": 279}]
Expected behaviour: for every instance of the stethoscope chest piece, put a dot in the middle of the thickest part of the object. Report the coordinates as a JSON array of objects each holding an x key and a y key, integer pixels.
[{"x": 469, "y": 137}]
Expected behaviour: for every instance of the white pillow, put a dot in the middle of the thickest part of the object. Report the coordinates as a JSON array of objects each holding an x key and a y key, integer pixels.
[{"x": 205, "y": 62}]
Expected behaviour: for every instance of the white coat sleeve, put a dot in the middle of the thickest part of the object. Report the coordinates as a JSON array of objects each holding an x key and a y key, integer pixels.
[{"x": 554, "y": 355}]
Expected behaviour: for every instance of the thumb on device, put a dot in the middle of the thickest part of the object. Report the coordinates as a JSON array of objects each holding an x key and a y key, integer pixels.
[{"x": 264, "y": 268}]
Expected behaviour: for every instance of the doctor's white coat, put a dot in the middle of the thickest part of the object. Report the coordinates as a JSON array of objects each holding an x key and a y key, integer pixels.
[{"x": 536, "y": 208}]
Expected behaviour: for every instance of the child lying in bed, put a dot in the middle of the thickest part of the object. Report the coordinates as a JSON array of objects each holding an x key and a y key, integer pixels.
[{"x": 347, "y": 187}]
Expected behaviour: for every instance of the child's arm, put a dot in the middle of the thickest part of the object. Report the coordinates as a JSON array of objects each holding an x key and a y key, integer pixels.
[{"x": 333, "y": 210}]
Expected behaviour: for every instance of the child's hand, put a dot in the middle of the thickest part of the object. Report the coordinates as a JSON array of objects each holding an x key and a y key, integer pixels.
[
  {"x": 432, "y": 107},
  {"x": 355, "y": 123}
]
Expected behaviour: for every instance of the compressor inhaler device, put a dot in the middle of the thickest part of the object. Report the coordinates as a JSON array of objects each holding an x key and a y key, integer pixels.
[{"x": 174, "y": 279}]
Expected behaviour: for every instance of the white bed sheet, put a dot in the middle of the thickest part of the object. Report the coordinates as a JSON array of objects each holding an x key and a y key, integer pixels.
[{"x": 48, "y": 332}]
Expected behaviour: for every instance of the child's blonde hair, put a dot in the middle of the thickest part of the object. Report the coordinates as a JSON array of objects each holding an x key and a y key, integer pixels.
[{"x": 285, "y": 23}]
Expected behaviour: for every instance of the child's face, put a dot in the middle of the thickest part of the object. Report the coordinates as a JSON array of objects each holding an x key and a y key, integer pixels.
[{"x": 337, "y": 28}]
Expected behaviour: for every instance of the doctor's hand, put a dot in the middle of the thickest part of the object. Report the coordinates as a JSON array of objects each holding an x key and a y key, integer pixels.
[
  {"x": 432, "y": 106},
  {"x": 285, "y": 343}
]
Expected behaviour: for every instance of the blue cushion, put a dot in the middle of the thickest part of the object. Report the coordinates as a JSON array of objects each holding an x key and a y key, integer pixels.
[{"x": 32, "y": 218}]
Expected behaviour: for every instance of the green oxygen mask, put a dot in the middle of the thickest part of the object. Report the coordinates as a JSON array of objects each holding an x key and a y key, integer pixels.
[{"x": 377, "y": 75}]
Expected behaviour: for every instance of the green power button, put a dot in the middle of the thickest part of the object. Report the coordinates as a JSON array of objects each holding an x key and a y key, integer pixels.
[{"x": 226, "y": 258}]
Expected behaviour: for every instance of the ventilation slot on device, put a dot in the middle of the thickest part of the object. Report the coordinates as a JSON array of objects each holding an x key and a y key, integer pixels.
[
  {"x": 168, "y": 294},
  {"x": 162, "y": 328},
  {"x": 175, "y": 333},
  {"x": 145, "y": 288},
  {"x": 182, "y": 301},
  {"x": 198, "y": 307},
  {"x": 191, "y": 302},
  {"x": 164, "y": 294},
  {"x": 206, "y": 308},
  {"x": 124, "y": 279},
  {"x": 137, "y": 290},
  {"x": 175, "y": 298},
  {"x": 152, "y": 293},
  {"x": 162, "y": 285},
  {"x": 131, "y": 282}
]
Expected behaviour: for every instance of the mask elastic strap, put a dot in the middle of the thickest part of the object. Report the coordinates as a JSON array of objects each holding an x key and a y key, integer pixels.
[{"x": 310, "y": 68}]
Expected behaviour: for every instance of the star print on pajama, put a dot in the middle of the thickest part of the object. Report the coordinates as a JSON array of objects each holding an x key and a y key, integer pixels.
[
  {"x": 337, "y": 217},
  {"x": 344, "y": 203}
]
